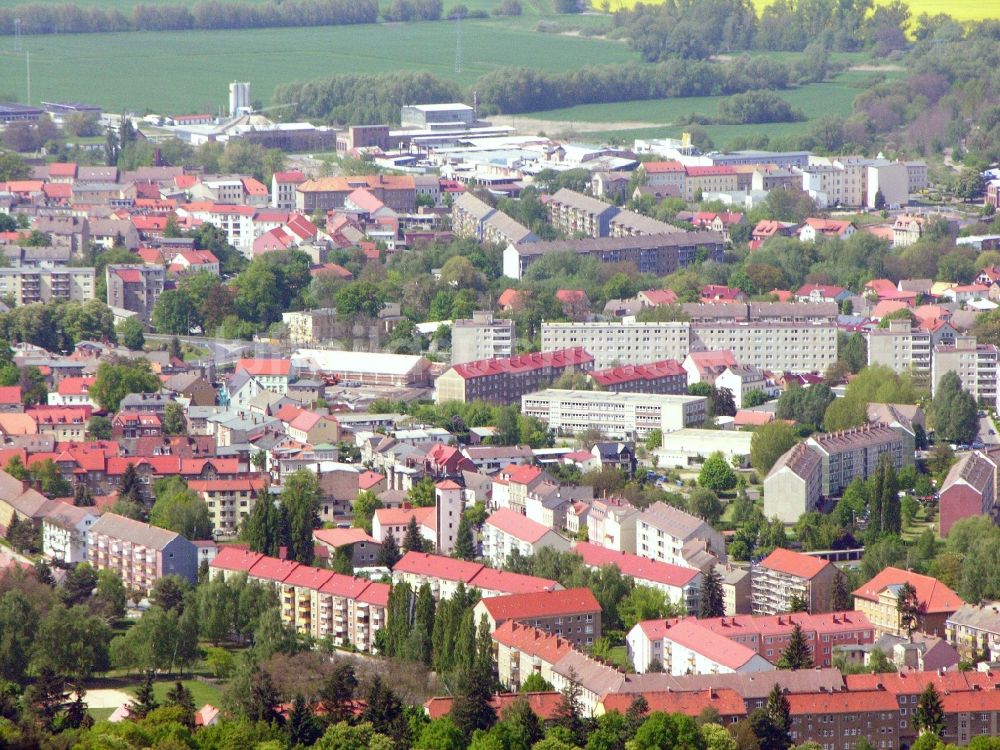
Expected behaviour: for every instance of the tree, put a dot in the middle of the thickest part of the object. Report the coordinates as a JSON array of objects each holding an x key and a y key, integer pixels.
[
  {"x": 145, "y": 699},
  {"x": 260, "y": 529},
  {"x": 388, "y": 554},
  {"x": 79, "y": 585},
  {"x": 302, "y": 497},
  {"x": 131, "y": 334},
  {"x": 768, "y": 733},
  {"x": 954, "y": 410},
  {"x": 840, "y": 596},
  {"x": 535, "y": 683},
  {"x": 569, "y": 712},
  {"x": 716, "y": 473},
  {"x": 110, "y": 598},
  {"x": 928, "y": 717},
  {"x": 119, "y": 378},
  {"x": 263, "y": 700},
  {"x": 908, "y": 608},
  {"x": 174, "y": 422},
  {"x": 82, "y": 497},
  {"x": 99, "y": 428},
  {"x": 384, "y": 709},
  {"x": 440, "y": 734},
  {"x": 336, "y": 696},
  {"x": 778, "y": 708},
  {"x": 711, "y": 603},
  {"x": 50, "y": 477},
  {"x": 769, "y": 443},
  {"x": 179, "y": 696},
  {"x": 413, "y": 541},
  {"x": 72, "y": 642},
  {"x": 464, "y": 547},
  {"x": 796, "y": 654},
  {"x": 365, "y": 505},
  {"x": 303, "y": 729},
  {"x": 180, "y": 509},
  {"x": 705, "y": 504},
  {"x": 642, "y": 603},
  {"x": 654, "y": 440}
]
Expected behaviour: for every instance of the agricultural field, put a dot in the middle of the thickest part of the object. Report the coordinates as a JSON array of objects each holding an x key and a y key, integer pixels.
[
  {"x": 189, "y": 71},
  {"x": 960, "y": 10}
]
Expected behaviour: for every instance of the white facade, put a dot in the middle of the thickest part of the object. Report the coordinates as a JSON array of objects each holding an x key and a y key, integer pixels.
[
  {"x": 64, "y": 534},
  {"x": 740, "y": 381},
  {"x": 449, "y": 505},
  {"x": 613, "y": 344}
]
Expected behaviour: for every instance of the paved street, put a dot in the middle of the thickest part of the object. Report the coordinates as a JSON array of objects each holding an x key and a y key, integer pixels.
[{"x": 987, "y": 432}]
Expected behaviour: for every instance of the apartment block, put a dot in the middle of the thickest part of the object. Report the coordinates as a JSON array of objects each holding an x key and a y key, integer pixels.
[
  {"x": 974, "y": 629},
  {"x": 472, "y": 217},
  {"x": 141, "y": 554},
  {"x": 665, "y": 376},
  {"x": 573, "y": 614},
  {"x": 443, "y": 574},
  {"x": 481, "y": 337},
  {"x": 663, "y": 532},
  {"x": 902, "y": 347},
  {"x": 655, "y": 252},
  {"x": 784, "y": 576},
  {"x": 283, "y": 187},
  {"x": 135, "y": 288},
  {"x": 64, "y": 532},
  {"x": 504, "y": 381},
  {"x": 29, "y": 285},
  {"x": 398, "y": 192},
  {"x": 618, "y": 416},
  {"x": 229, "y": 501},
  {"x": 574, "y": 212},
  {"x": 716, "y": 179},
  {"x": 611, "y": 524},
  {"x": 969, "y": 490},
  {"x": 879, "y": 599},
  {"x": 617, "y": 344},
  {"x": 975, "y": 364},
  {"x": 771, "y": 345},
  {"x": 680, "y": 584},
  {"x": 507, "y": 532}
]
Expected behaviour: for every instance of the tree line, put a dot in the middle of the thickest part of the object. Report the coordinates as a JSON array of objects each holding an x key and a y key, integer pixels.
[
  {"x": 39, "y": 18},
  {"x": 367, "y": 99}
]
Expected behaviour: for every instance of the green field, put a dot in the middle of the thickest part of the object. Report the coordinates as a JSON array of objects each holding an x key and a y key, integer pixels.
[{"x": 181, "y": 72}]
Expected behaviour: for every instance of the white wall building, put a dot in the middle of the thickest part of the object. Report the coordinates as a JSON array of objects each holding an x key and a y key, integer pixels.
[
  {"x": 506, "y": 531},
  {"x": 64, "y": 533}
]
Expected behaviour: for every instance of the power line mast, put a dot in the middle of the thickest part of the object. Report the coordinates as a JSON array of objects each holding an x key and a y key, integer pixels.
[
  {"x": 458, "y": 45},
  {"x": 17, "y": 34}
]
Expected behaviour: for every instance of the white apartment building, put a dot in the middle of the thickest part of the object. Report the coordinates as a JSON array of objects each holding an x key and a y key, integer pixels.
[
  {"x": 29, "y": 285},
  {"x": 481, "y": 337},
  {"x": 662, "y": 531},
  {"x": 741, "y": 380},
  {"x": 975, "y": 365},
  {"x": 611, "y": 524},
  {"x": 64, "y": 533},
  {"x": 618, "y": 416},
  {"x": 507, "y": 531},
  {"x": 613, "y": 344},
  {"x": 771, "y": 345}
]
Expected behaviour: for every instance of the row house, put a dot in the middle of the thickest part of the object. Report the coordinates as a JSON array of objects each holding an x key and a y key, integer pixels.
[
  {"x": 139, "y": 553},
  {"x": 444, "y": 574},
  {"x": 576, "y": 213},
  {"x": 574, "y": 614},
  {"x": 66, "y": 424},
  {"x": 471, "y": 217}
]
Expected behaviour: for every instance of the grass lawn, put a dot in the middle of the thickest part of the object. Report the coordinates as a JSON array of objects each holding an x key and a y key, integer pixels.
[
  {"x": 202, "y": 692},
  {"x": 619, "y": 656},
  {"x": 178, "y": 72},
  {"x": 100, "y": 714}
]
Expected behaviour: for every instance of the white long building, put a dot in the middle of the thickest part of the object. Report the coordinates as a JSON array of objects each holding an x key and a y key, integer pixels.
[{"x": 618, "y": 416}]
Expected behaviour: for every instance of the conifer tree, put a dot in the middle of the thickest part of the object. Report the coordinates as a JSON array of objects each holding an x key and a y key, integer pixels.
[
  {"x": 388, "y": 554},
  {"x": 928, "y": 717},
  {"x": 464, "y": 545},
  {"x": 796, "y": 654},
  {"x": 711, "y": 603}
]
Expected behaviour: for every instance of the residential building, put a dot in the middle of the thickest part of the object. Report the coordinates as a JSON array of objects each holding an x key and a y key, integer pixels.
[
  {"x": 663, "y": 531},
  {"x": 975, "y": 364},
  {"x": 507, "y": 532},
  {"x": 481, "y": 337},
  {"x": 611, "y": 524},
  {"x": 784, "y": 577},
  {"x": 574, "y": 212},
  {"x": 879, "y": 598},
  {"x": 135, "y": 288},
  {"x": 665, "y": 376},
  {"x": 361, "y": 548},
  {"x": 471, "y": 217},
  {"x": 449, "y": 504},
  {"x": 141, "y": 554},
  {"x": 229, "y": 501},
  {"x": 573, "y": 614},
  {"x": 680, "y": 584},
  {"x": 974, "y": 629},
  {"x": 617, "y": 416},
  {"x": 398, "y": 192},
  {"x": 969, "y": 491},
  {"x": 771, "y": 345},
  {"x": 310, "y": 326},
  {"x": 504, "y": 381},
  {"x": 283, "y": 189},
  {"x": 394, "y": 521},
  {"x": 686, "y": 647},
  {"x": 824, "y": 465},
  {"x": 618, "y": 344},
  {"x": 903, "y": 347},
  {"x": 64, "y": 532},
  {"x": 659, "y": 254},
  {"x": 524, "y": 650},
  {"x": 741, "y": 380},
  {"x": 273, "y": 374},
  {"x": 445, "y": 573},
  {"x": 736, "y": 589},
  {"x": 29, "y": 285}
]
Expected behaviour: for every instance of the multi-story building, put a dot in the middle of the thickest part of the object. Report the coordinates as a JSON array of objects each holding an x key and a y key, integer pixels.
[
  {"x": 504, "y": 381},
  {"x": 974, "y": 630},
  {"x": 307, "y": 327},
  {"x": 975, "y": 364},
  {"x": 443, "y": 574},
  {"x": 481, "y": 337},
  {"x": 615, "y": 344},
  {"x": 283, "y": 188},
  {"x": 662, "y": 531},
  {"x": 471, "y": 217},
  {"x": 879, "y": 600},
  {"x": 685, "y": 647},
  {"x": 395, "y": 191},
  {"x": 907, "y": 348},
  {"x": 272, "y": 374},
  {"x": 772, "y": 345},
  {"x": 64, "y": 532},
  {"x": 611, "y": 524},
  {"x": 617, "y": 416},
  {"x": 507, "y": 532},
  {"x": 27, "y": 285},
  {"x": 141, "y": 554},
  {"x": 969, "y": 490},
  {"x": 573, "y": 614},
  {"x": 524, "y": 650},
  {"x": 825, "y": 464},
  {"x": 717, "y": 179},
  {"x": 659, "y": 253},
  {"x": 229, "y": 501},
  {"x": 665, "y": 376},
  {"x": 785, "y": 576},
  {"x": 135, "y": 288},
  {"x": 574, "y": 212},
  {"x": 679, "y": 584}
]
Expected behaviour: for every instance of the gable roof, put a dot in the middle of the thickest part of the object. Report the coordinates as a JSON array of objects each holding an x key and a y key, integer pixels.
[
  {"x": 795, "y": 563},
  {"x": 934, "y": 596},
  {"x": 514, "y": 524},
  {"x": 541, "y": 604}
]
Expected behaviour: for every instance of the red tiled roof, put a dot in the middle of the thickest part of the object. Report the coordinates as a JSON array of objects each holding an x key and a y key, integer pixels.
[
  {"x": 239, "y": 484},
  {"x": 529, "y": 640},
  {"x": 708, "y": 171},
  {"x": 340, "y": 537},
  {"x": 933, "y": 595},
  {"x": 826, "y": 290},
  {"x": 640, "y": 568},
  {"x": 257, "y": 367},
  {"x": 62, "y": 169},
  {"x": 273, "y": 569},
  {"x": 402, "y": 516},
  {"x": 235, "y": 558},
  {"x": 660, "y": 296},
  {"x": 10, "y": 394},
  {"x": 369, "y": 479},
  {"x": 308, "y": 577},
  {"x": 662, "y": 167},
  {"x": 129, "y": 275},
  {"x": 541, "y": 604},
  {"x": 724, "y": 700},
  {"x": 627, "y": 374},
  {"x": 524, "y": 363},
  {"x": 543, "y": 705},
  {"x": 448, "y": 484},
  {"x": 811, "y": 704},
  {"x": 794, "y": 563},
  {"x": 376, "y": 594},
  {"x": 514, "y": 524}
]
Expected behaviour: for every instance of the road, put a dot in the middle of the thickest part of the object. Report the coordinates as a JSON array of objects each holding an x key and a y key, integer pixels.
[
  {"x": 987, "y": 432},
  {"x": 223, "y": 351}
]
